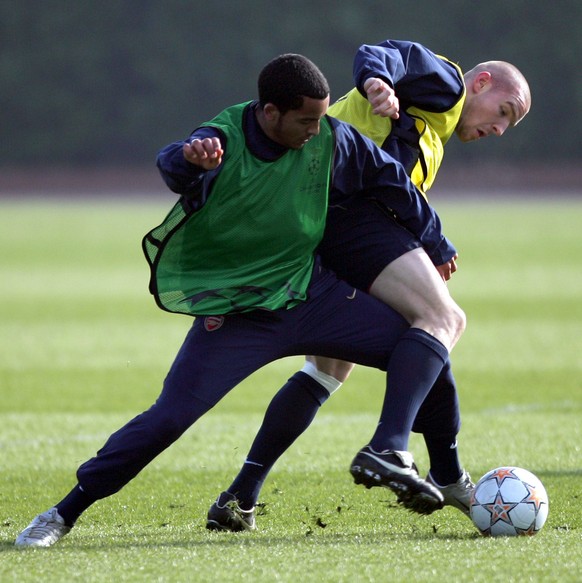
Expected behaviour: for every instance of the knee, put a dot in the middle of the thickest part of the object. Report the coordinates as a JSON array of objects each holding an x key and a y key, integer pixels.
[
  {"x": 458, "y": 321},
  {"x": 169, "y": 423},
  {"x": 168, "y": 428},
  {"x": 446, "y": 321}
]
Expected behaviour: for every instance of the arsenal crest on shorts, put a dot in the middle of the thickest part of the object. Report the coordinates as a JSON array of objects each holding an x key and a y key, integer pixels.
[{"x": 212, "y": 323}]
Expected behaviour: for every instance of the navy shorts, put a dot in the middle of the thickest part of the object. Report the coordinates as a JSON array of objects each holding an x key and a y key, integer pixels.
[{"x": 360, "y": 241}]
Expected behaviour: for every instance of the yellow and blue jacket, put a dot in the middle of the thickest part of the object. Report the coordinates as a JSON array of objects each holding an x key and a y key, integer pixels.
[{"x": 431, "y": 92}]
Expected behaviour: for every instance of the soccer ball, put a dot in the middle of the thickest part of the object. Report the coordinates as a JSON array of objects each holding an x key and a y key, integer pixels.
[{"x": 509, "y": 501}]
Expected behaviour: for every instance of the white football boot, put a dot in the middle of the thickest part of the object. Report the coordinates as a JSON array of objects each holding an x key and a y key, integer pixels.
[
  {"x": 44, "y": 530},
  {"x": 457, "y": 494}
]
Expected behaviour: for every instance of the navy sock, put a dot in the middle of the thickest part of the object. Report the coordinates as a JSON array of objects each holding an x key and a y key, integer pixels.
[
  {"x": 445, "y": 467},
  {"x": 439, "y": 421},
  {"x": 74, "y": 504},
  {"x": 414, "y": 366},
  {"x": 289, "y": 414}
]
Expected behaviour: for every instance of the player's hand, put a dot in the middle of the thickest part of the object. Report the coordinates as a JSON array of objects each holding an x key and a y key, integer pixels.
[
  {"x": 382, "y": 98},
  {"x": 447, "y": 269},
  {"x": 205, "y": 153}
]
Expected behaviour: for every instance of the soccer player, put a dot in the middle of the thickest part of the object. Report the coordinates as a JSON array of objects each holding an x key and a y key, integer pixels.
[
  {"x": 410, "y": 101},
  {"x": 238, "y": 252}
]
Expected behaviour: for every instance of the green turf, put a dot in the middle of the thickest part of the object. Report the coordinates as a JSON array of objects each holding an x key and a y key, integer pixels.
[{"x": 83, "y": 348}]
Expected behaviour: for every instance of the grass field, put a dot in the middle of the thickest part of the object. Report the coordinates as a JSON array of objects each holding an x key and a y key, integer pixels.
[{"x": 83, "y": 348}]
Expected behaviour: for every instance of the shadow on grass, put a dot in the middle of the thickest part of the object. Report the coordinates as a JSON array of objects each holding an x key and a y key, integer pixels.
[{"x": 244, "y": 539}]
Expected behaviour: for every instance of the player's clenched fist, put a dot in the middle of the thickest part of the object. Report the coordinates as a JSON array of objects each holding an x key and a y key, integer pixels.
[
  {"x": 447, "y": 269},
  {"x": 382, "y": 98},
  {"x": 206, "y": 153}
]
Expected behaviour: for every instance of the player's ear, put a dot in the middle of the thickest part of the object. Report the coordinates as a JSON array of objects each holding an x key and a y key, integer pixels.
[
  {"x": 271, "y": 112},
  {"x": 482, "y": 81}
]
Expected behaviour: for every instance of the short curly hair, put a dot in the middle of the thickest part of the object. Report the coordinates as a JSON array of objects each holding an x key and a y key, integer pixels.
[{"x": 287, "y": 79}]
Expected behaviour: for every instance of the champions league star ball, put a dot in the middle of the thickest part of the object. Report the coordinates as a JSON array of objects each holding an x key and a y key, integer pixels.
[{"x": 509, "y": 501}]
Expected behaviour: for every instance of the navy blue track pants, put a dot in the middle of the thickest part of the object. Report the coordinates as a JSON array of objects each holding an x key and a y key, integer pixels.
[{"x": 219, "y": 352}]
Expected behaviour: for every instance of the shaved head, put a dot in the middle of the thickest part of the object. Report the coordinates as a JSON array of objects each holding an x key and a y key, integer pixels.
[{"x": 505, "y": 78}]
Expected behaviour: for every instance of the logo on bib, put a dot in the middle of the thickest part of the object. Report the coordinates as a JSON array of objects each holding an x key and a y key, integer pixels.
[
  {"x": 314, "y": 166},
  {"x": 212, "y": 323}
]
